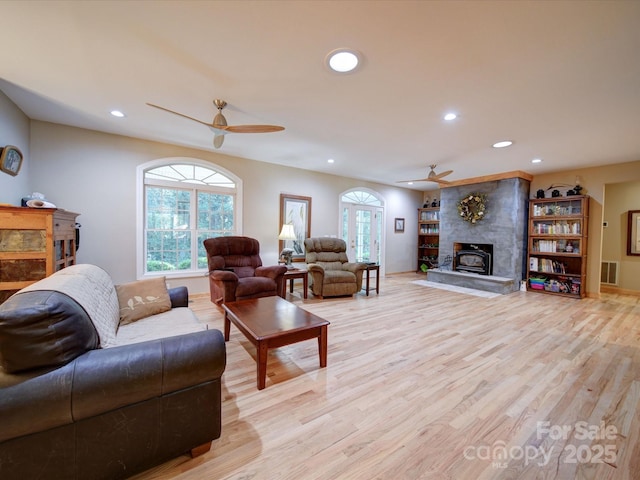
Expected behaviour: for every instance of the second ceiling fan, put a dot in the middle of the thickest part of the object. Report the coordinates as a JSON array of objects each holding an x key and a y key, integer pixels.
[
  {"x": 432, "y": 177},
  {"x": 219, "y": 124}
]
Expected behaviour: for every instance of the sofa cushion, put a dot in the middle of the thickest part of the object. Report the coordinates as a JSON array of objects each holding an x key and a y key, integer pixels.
[
  {"x": 339, "y": 276},
  {"x": 41, "y": 329},
  {"x": 142, "y": 298},
  {"x": 176, "y": 321},
  {"x": 250, "y": 286}
]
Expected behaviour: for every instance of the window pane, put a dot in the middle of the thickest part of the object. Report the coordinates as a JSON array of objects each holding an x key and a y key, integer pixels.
[
  {"x": 167, "y": 208},
  {"x": 363, "y": 235},
  {"x": 345, "y": 224},
  {"x": 202, "y": 253},
  {"x": 215, "y": 213},
  {"x": 188, "y": 173},
  {"x": 361, "y": 197}
]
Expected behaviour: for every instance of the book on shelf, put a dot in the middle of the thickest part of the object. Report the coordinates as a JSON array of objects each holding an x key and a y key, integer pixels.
[
  {"x": 546, "y": 265},
  {"x": 548, "y": 246}
]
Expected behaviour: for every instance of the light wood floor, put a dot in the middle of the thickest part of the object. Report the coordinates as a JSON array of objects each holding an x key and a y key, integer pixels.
[{"x": 423, "y": 383}]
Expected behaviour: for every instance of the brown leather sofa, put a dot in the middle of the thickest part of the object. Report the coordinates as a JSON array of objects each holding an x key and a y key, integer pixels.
[
  {"x": 103, "y": 413},
  {"x": 236, "y": 271},
  {"x": 331, "y": 272}
]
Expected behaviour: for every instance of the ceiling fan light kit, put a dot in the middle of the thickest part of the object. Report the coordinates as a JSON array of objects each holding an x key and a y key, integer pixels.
[{"x": 219, "y": 124}]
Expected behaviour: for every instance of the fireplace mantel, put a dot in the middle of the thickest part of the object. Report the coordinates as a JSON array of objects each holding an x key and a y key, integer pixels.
[{"x": 489, "y": 178}]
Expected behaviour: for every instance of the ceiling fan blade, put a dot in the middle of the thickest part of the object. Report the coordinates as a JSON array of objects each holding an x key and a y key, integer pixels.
[
  {"x": 436, "y": 180},
  {"x": 181, "y": 115},
  {"x": 442, "y": 174},
  {"x": 218, "y": 140},
  {"x": 440, "y": 181},
  {"x": 253, "y": 128}
]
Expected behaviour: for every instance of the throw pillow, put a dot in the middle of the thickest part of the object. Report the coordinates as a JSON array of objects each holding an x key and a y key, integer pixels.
[
  {"x": 142, "y": 298},
  {"x": 42, "y": 329}
]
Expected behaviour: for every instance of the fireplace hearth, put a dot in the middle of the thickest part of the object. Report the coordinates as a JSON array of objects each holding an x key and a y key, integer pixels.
[{"x": 473, "y": 258}]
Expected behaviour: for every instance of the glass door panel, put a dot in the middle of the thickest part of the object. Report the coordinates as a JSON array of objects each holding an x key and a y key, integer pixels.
[{"x": 362, "y": 231}]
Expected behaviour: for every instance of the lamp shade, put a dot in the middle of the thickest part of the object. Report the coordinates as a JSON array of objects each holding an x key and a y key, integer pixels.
[{"x": 287, "y": 232}]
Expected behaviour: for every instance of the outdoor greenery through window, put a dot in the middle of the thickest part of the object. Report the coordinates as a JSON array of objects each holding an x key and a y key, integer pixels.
[{"x": 184, "y": 205}]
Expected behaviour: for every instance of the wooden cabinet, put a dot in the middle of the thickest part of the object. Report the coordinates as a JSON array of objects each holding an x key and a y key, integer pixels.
[
  {"x": 557, "y": 251},
  {"x": 428, "y": 236},
  {"x": 34, "y": 243}
]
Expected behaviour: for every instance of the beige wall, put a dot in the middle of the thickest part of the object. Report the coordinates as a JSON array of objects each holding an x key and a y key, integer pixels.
[
  {"x": 14, "y": 130},
  {"x": 619, "y": 199},
  {"x": 94, "y": 174},
  {"x": 593, "y": 180}
]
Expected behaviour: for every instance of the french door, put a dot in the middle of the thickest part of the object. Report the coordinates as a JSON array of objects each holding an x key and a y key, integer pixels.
[{"x": 362, "y": 231}]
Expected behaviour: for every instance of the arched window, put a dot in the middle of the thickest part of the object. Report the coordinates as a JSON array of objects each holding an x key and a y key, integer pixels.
[
  {"x": 361, "y": 197},
  {"x": 182, "y": 202}
]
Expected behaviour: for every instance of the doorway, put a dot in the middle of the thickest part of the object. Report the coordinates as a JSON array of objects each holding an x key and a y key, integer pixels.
[{"x": 362, "y": 214}]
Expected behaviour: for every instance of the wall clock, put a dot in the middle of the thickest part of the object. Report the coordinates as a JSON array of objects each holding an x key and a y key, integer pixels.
[{"x": 11, "y": 160}]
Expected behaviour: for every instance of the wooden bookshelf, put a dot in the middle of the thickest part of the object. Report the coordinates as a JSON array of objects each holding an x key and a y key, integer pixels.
[{"x": 557, "y": 250}]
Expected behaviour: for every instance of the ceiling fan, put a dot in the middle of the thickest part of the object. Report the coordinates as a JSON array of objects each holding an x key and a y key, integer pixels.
[
  {"x": 432, "y": 177},
  {"x": 219, "y": 124}
]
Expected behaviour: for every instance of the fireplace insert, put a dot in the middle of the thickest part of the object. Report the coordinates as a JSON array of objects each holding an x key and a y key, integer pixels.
[{"x": 473, "y": 258}]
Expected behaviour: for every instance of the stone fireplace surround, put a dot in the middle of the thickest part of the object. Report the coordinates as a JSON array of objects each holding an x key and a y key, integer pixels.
[{"x": 504, "y": 226}]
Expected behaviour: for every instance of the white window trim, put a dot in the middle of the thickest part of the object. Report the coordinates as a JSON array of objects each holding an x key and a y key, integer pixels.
[{"x": 140, "y": 257}]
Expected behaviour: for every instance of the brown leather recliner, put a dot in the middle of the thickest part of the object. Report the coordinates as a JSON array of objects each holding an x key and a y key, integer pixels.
[
  {"x": 236, "y": 271},
  {"x": 331, "y": 272}
]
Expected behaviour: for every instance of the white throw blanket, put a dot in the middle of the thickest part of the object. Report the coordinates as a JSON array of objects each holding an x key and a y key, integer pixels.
[{"x": 93, "y": 289}]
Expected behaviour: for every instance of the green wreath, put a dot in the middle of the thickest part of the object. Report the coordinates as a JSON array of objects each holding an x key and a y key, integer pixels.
[{"x": 472, "y": 207}]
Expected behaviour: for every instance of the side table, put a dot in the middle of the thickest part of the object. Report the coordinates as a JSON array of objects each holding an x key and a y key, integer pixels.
[
  {"x": 372, "y": 268},
  {"x": 291, "y": 275}
]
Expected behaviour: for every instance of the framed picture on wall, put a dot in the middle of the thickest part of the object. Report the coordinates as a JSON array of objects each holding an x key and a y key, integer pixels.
[
  {"x": 633, "y": 230},
  {"x": 399, "y": 225},
  {"x": 295, "y": 210},
  {"x": 11, "y": 160}
]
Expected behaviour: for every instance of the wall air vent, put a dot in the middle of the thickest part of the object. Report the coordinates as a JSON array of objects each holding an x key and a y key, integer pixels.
[{"x": 609, "y": 272}]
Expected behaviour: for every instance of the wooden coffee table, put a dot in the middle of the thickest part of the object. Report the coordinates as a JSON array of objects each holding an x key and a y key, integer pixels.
[{"x": 272, "y": 322}]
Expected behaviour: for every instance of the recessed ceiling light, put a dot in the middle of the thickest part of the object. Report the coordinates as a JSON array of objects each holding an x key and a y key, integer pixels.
[
  {"x": 409, "y": 183},
  {"x": 331, "y": 160},
  {"x": 505, "y": 143},
  {"x": 343, "y": 60},
  {"x": 117, "y": 113},
  {"x": 450, "y": 116},
  {"x": 536, "y": 160}
]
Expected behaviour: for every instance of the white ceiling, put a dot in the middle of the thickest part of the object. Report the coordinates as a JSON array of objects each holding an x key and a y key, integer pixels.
[{"x": 561, "y": 79}]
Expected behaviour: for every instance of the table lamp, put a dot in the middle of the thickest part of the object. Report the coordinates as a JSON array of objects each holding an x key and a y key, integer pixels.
[{"x": 287, "y": 233}]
